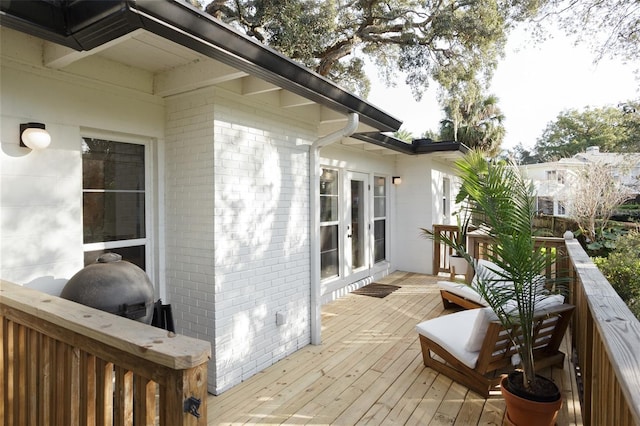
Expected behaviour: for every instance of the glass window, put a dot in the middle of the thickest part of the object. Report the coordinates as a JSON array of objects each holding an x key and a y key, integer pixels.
[
  {"x": 545, "y": 205},
  {"x": 446, "y": 194},
  {"x": 329, "y": 247},
  {"x": 379, "y": 218},
  {"x": 113, "y": 199}
]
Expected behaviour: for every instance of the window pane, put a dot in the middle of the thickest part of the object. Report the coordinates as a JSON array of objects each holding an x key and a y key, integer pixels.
[
  {"x": 329, "y": 264},
  {"x": 379, "y": 249},
  {"x": 328, "y": 238},
  {"x": 112, "y": 216},
  {"x": 135, "y": 255},
  {"x": 545, "y": 205},
  {"x": 380, "y": 186},
  {"x": 112, "y": 165},
  {"x": 328, "y": 208},
  {"x": 379, "y": 206},
  {"x": 328, "y": 251},
  {"x": 329, "y": 182}
]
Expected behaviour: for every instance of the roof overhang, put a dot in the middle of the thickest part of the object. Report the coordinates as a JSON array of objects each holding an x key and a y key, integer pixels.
[{"x": 86, "y": 24}]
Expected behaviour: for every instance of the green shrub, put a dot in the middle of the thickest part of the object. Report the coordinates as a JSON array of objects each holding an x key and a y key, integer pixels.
[{"x": 622, "y": 269}]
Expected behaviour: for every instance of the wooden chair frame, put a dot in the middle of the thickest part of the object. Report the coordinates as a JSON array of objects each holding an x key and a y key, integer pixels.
[
  {"x": 451, "y": 300},
  {"x": 497, "y": 349}
]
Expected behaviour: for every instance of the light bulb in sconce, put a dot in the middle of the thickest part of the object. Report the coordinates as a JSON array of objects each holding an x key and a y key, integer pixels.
[
  {"x": 396, "y": 180},
  {"x": 34, "y": 136}
]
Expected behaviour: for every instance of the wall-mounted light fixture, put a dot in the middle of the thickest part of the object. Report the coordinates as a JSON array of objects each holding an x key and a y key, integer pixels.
[
  {"x": 34, "y": 136},
  {"x": 396, "y": 180}
]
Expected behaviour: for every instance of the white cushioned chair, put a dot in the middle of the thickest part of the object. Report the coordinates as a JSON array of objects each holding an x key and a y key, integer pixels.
[{"x": 471, "y": 345}]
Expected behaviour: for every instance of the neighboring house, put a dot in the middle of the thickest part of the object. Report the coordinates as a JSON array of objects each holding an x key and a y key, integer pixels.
[
  {"x": 249, "y": 188},
  {"x": 553, "y": 181}
]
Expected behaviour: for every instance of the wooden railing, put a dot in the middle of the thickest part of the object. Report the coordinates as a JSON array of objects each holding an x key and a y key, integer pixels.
[
  {"x": 479, "y": 245},
  {"x": 62, "y": 363},
  {"x": 605, "y": 335},
  {"x": 441, "y": 252},
  {"x": 606, "y": 339}
]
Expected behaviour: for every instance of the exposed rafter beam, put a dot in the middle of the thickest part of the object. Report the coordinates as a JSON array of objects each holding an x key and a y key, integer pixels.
[
  {"x": 290, "y": 100},
  {"x": 255, "y": 86},
  {"x": 330, "y": 116},
  {"x": 193, "y": 76}
]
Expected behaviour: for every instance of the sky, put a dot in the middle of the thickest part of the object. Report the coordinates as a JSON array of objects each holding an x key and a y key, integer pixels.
[{"x": 534, "y": 83}]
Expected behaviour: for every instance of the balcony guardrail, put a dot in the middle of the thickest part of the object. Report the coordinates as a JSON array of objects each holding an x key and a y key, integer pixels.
[
  {"x": 606, "y": 339},
  {"x": 62, "y": 363}
]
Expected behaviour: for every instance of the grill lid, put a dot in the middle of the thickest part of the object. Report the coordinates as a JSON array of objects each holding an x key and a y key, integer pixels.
[{"x": 113, "y": 285}]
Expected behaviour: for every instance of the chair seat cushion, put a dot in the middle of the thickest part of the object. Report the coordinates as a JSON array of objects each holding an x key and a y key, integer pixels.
[{"x": 452, "y": 332}]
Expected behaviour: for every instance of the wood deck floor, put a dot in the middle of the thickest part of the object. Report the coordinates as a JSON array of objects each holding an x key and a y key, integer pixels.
[{"x": 369, "y": 370}]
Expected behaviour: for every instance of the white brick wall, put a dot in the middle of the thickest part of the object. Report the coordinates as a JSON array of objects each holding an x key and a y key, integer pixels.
[
  {"x": 237, "y": 231},
  {"x": 189, "y": 215}
]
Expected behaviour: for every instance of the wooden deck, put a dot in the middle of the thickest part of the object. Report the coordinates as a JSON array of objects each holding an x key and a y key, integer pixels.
[{"x": 369, "y": 370}]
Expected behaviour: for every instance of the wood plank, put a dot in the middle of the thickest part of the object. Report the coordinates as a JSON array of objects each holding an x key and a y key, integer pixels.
[
  {"x": 426, "y": 409},
  {"x": 447, "y": 412},
  {"x": 144, "y": 401},
  {"x": 471, "y": 410},
  {"x": 3, "y": 367},
  {"x": 123, "y": 395},
  {"x": 379, "y": 411},
  {"x": 8, "y": 385},
  {"x": 104, "y": 392},
  {"x": 34, "y": 354},
  {"x": 88, "y": 366},
  {"x": 20, "y": 374}
]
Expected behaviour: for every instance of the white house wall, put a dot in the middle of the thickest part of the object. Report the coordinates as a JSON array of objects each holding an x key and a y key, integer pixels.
[
  {"x": 41, "y": 192},
  {"x": 418, "y": 205},
  {"x": 238, "y": 238}
]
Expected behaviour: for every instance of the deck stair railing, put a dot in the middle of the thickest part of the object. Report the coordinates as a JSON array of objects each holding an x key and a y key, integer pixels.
[{"x": 62, "y": 363}]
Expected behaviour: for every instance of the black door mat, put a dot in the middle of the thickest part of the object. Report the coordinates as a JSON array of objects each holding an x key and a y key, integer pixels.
[{"x": 376, "y": 290}]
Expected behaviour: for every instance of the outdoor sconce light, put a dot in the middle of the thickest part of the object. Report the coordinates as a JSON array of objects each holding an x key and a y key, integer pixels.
[
  {"x": 396, "y": 180},
  {"x": 34, "y": 136}
]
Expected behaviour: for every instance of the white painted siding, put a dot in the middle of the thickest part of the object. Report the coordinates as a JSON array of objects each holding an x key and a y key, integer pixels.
[
  {"x": 419, "y": 205},
  {"x": 237, "y": 231},
  {"x": 41, "y": 192}
]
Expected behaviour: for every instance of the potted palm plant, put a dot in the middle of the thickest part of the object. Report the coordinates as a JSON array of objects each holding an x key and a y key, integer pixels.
[
  {"x": 458, "y": 243},
  {"x": 497, "y": 193},
  {"x": 457, "y": 260}
]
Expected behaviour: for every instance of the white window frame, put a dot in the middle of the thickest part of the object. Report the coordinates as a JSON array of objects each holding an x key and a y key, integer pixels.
[{"x": 149, "y": 240}]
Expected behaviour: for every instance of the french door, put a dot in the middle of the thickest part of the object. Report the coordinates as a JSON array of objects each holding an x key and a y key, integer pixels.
[
  {"x": 356, "y": 253},
  {"x": 346, "y": 226}
]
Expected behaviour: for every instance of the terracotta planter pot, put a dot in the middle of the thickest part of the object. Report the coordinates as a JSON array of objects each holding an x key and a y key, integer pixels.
[{"x": 525, "y": 412}]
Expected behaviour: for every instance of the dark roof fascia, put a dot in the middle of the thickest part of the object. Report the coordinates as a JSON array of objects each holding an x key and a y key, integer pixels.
[
  {"x": 389, "y": 142},
  {"x": 428, "y": 146},
  {"x": 85, "y": 24},
  {"x": 417, "y": 146}
]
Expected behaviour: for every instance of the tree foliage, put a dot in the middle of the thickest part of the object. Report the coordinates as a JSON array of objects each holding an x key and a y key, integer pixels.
[
  {"x": 611, "y": 129},
  {"x": 477, "y": 123},
  {"x": 610, "y": 27},
  {"x": 445, "y": 40},
  {"x": 622, "y": 269}
]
